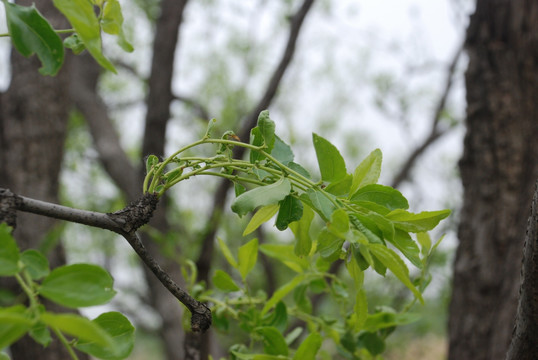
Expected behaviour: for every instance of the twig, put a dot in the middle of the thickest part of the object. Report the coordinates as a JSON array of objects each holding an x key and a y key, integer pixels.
[
  {"x": 435, "y": 132},
  {"x": 124, "y": 222},
  {"x": 219, "y": 199}
]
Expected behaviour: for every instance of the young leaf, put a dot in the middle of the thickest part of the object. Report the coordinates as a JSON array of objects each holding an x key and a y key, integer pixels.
[
  {"x": 41, "y": 334},
  {"x": 282, "y": 152},
  {"x": 112, "y": 23},
  {"x": 425, "y": 242},
  {"x": 329, "y": 245},
  {"x": 264, "y": 195},
  {"x": 79, "y": 327},
  {"x": 278, "y": 318},
  {"x": 321, "y": 203},
  {"x": 367, "y": 172},
  {"x": 78, "y": 285},
  {"x": 286, "y": 255},
  {"x": 227, "y": 253},
  {"x": 264, "y": 214},
  {"x": 281, "y": 292},
  {"x": 9, "y": 252},
  {"x": 339, "y": 224},
  {"x": 256, "y": 139},
  {"x": 373, "y": 342},
  {"x": 388, "y": 319},
  {"x": 383, "y": 195},
  {"x": 14, "y": 323},
  {"x": 408, "y": 247},
  {"x": 81, "y": 15},
  {"x": 239, "y": 189},
  {"x": 361, "y": 310},
  {"x": 301, "y": 230},
  {"x": 248, "y": 254},
  {"x": 331, "y": 164},
  {"x": 120, "y": 329},
  {"x": 295, "y": 167},
  {"x": 309, "y": 347},
  {"x": 420, "y": 222},
  {"x": 74, "y": 43},
  {"x": 35, "y": 263},
  {"x": 291, "y": 209},
  {"x": 224, "y": 282},
  {"x": 341, "y": 187},
  {"x": 393, "y": 262},
  {"x": 273, "y": 341},
  {"x": 267, "y": 130},
  {"x": 32, "y": 34}
]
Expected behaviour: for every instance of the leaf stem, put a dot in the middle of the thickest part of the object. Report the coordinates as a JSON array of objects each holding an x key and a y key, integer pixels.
[{"x": 64, "y": 341}]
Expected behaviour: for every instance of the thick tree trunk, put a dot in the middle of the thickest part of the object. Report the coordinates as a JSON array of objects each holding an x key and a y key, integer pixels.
[
  {"x": 524, "y": 344},
  {"x": 33, "y": 122},
  {"x": 498, "y": 169}
]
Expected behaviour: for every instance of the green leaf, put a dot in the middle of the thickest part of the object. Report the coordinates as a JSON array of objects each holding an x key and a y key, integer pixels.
[
  {"x": 321, "y": 203},
  {"x": 425, "y": 242},
  {"x": 281, "y": 292},
  {"x": 227, "y": 253},
  {"x": 355, "y": 271},
  {"x": 286, "y": 255},
  {"x": 261, "y": 216},
  {"x": 339, "y": 224},
  {"x": 291, "y": 209},
  {"x": 372, "y": 342},
  {"x": 408, "y": 247},
  {"x": 112, "y": 23},
  {"x": 282, "y": 152},
  {"x": 301, "y": 230},
  {"x": 224, "y": 282},
  {"x": 210, "y": 125},
  {"x": 361, "y": 310},
  {"x": 278, "y": 318},
  {"x": 74, "y": 43},
  {"x": 41, "y": 334},
  {"x": 383, "y": 320},
  {"x": 329, "y": 245},
  {"x": 79, "y": 327},
  {"x": 368, "y": 228},
  {"x": 35, "y": 263},
  {"x": 239, "y": 189},
  {"x": 82, "y": 17},
  {"x": 367, "y": 172},
  {"x": 383, "y": 195},
  {"x": 273, "y": 341},
  {"x": 151, "y": 162},
  {"x": 261, "y": 196},
  {"x": 296, "y": 167},
  {"x": 78, "y": 285},
  {"x": 14, "y": 323},
  {"x": 393, "y": 262},
  {"x": 9, "y": 252},
  {"x": 331, "y": 164},
  {"x": 248, "y": 254},
  {"x": 256, "y": 139},
  {"x": 415, "y": 223},
  {"x": 382, "y": 223},
  {"x": 267, "y": 130},
  {"x": 309, "y": 347},
  {"x": 341, "y": 187},
  {"x": 32, "y": 34},
  {"x": 122, "y": 332}
]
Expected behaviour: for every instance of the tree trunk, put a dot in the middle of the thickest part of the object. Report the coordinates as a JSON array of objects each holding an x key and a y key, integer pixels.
[
  {"x": 524, "y": 344},
  {"x": 33, "y": 122},
  {"x": 498, "y": 169}
]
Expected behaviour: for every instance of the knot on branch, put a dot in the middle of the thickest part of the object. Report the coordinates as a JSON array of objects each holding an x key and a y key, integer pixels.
[
  {"x": 200, "y": 318},
  {"x": 136, "y": 214},
  {"x": 9, "y": 203}
]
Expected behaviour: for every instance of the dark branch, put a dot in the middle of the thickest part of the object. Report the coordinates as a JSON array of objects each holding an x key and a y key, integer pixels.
[
  {"x": 436, "y": 132},
  {"x": 124, "y": 222},
  {"x": 197, "y": 107}
]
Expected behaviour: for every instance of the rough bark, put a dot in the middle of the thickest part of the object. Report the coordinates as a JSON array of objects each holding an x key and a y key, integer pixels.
[
  {"x": 524, "y": 344},
  {"x": 33, "y": 128},
  {"x": 498, "y": 169}
]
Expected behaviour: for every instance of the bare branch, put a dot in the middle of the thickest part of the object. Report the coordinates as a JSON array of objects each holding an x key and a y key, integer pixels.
[
  {"x": 198, "y": 108},
  {"x": 124, "y": 222},
  {"x": 436, "y": 132}
]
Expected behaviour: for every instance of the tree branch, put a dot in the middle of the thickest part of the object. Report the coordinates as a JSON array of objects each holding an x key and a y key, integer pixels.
[
  {"x": 219, "y": 199},
  {"x": 124, "y": 222},
  {"x": 435, "y": 132}
]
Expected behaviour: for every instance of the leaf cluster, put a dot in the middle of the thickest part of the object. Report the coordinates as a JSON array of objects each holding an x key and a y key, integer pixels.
[{"x": 109, "y": 336}]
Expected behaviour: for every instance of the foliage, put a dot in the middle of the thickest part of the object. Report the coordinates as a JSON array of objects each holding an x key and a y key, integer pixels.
[
  {"x": 366, "y": 225},
  {"x": 109, "y": 336}
]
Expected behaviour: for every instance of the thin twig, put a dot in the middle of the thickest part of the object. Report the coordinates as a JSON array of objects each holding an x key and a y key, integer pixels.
[{"x": 435, "y": 131}]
